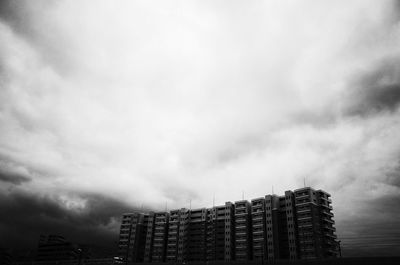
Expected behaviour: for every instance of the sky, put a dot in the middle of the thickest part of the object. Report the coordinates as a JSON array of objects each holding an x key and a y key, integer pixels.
[{"x": 111, "y": 106}]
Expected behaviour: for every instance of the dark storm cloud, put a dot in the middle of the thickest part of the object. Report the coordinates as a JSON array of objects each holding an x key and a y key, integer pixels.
[
  {"x": 375, "y": 232},
  {"x": 17, "y": 15},
  {"x": 11, "y": 173},
  {"x": 25, "y": 216},
  {"x": 13, "y": 178},
  {"x": 376, "y": 91},
  {"x": 393, "y": 176},
  {"x": 8, "y": 10}
]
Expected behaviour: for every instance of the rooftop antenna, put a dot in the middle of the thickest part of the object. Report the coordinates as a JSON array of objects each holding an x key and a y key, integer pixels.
[
  {"x": 166, "y": 206},
  {"x": 242, "y": 194},
  {"x": 190, "y": 204},
  {"x": 304, "y": 180},
  {"x": 272, "y": 189}
]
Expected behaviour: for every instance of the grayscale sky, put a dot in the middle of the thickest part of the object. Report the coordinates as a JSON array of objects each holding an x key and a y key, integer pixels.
[{"x": 107, "y": 106}]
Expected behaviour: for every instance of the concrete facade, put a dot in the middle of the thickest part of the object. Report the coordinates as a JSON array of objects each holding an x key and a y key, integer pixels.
[{"x": 296, "y": 225}]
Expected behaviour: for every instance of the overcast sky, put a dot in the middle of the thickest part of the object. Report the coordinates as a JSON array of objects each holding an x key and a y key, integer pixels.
[{"x": 107, "y": 106}]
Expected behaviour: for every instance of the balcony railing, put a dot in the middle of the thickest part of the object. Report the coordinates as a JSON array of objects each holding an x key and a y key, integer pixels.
[
  {"x": 326, "y": 212},
  {"x": 327, "y": 206},
  {"x": 302, "y": 196},
  {"x": 328, "y": 220},
  {"x": 329, "y": 227}
]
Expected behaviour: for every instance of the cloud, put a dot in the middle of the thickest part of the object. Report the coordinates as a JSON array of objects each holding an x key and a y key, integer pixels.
[
  {"x": 378, "y": 90},
  {"x": 376, "y": 233},
  {"x": 13, "y": 175},
  {"x": 88, "y": 218},
  {"x": 156, "y": 103}
]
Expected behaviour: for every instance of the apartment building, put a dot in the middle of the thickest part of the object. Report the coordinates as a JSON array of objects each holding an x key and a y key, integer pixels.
[
  {"x": 131, "y": 247},
  {"x": 184, "y": 220},
  {"x": 173, "y": 236},
  {"x": 196, "y": 240},
  {"x": 220, "y": 240},
  {"x": 315, "y": 226},
  {"x": 53, "y": 247},
  {"x": 258, "y": 228},
  {"x": 148, "y": 252},
  {"x": 160, "y": 235},
  {"x": 243, "y": 231},
  {"x": 296, "y": 225},
  {"x": 272, "y": 228}
]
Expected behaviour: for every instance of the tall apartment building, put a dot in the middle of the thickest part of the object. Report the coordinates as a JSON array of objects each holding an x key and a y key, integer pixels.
[
  {"x": 173, "y": 236},
  {"x": 149, "y": 239},
  {"x": 220, "y": 238},
  {"x": 243, "y": 231},
  {"x": 132, "y": 238},
  {"x": 184, "y": 220},
  {"x": 272, "y": 229},
  {"x": 160, "y": 235},
  {"x": 296, "y": 225},
  {"x": 196, "y": 239},
  {"x": 314, "y": 223},
  {"x": 258, "y": 228}
]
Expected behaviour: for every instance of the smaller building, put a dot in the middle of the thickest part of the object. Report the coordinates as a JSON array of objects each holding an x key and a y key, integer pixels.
[{"x": 56, "y": 247}]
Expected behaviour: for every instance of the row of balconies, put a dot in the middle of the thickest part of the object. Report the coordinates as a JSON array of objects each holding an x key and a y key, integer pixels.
[
  {"x": 326, "y": 199},
  {"x": 305, "y": 209},
  {"x": 328, "y": 220},
  {"x": 302, "y": 195},
  {"x": 326, "y": 212},
  {"x": 327, "y": 206}
]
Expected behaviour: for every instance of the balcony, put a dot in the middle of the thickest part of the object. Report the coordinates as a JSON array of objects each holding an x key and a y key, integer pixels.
[
  {"x": 328, "y": 220},
  {"x": 330, "y": 235},
  {"x": 301, "y": 196},
  {"x": 304, "y": 218},
  {"x": 300, "y": 203},
  {"x": 306, "y": 241},
  {"x": 331, "y": 228},
  {"x": 326, "y": 212},
  {"x": 240, "y": 206},
  {"x": 256, "y": 218},
  {"x": 304, "y": 225}
]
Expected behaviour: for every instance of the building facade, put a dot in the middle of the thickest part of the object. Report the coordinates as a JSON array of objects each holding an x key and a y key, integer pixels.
[
  {"x": 296, "y": 225},
  {"x": 132, "y": 237}
]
